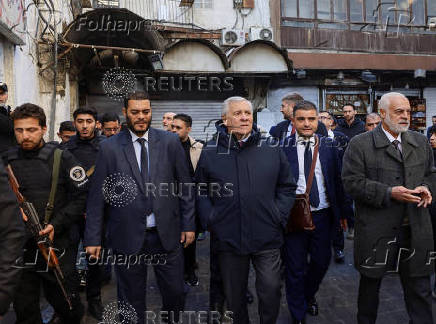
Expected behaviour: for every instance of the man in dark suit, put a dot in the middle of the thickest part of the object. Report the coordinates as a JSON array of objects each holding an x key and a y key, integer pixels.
[
  {"x": 433, "y": 121},
  {"x": 143, "y": 188},
  {"x": 302, "y": 277},
  {"x": 389, "y": 173},
  {"x": 286, "y": 128}
]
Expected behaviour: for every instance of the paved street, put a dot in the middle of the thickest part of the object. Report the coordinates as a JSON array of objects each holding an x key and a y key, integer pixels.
[{"x": 337, "y": 296}]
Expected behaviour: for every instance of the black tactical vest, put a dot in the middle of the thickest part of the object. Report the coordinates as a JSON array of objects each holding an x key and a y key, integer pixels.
[{"x": 33, "y": 171}]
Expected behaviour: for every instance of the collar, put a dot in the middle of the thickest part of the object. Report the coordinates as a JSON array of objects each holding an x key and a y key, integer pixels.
[
  {"x": 300, "y": 139},
  {"x": 135, "y": 137},
  {"x": 390, "y": 137}
]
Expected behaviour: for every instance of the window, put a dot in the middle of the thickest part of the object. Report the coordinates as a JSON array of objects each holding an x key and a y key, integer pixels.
[
  {"x": 369, "y": 15},
  {"x": 205, "y": 4},
  {"x": 324, "y": 9},
  {"x": 356, "y": 10},
  {"x": 340, "y": 10}
]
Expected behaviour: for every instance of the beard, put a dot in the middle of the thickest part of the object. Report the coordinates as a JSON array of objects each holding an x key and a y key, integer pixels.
[
  {"x": 396, "y": 128},
  {"x": 138, "y": 132}
]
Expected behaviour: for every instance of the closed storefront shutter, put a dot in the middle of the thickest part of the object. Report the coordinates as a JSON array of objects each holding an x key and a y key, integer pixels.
[{"x": 204, "y": 115}]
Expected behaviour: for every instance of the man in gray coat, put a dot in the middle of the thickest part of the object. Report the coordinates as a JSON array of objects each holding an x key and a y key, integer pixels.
[{"x": 389, "y": 173}]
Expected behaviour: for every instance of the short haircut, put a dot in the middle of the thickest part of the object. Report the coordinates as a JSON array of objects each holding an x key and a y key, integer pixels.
[
  {"x": 29, "y": 110},
  {"x": 227, "y": 102},
  {"x": 109, "y": 117},
  {"x": 328, "y": 112},
  {"x": 304, "y": 105},
  {"x": 385, "y": 100},
  {"x": 85, "y": 110},
  {"x": 372, "y": 115},
  {"x": 67, "y": 126},
  {"x": 186, "y": 118},
  {"x": 432, "y": 130},
  {"x": 136, "y": 95},
  {"x": 349, "y": 104},
  {"x": 434, "y": 116},
  {"x": 294, "y": 97}
]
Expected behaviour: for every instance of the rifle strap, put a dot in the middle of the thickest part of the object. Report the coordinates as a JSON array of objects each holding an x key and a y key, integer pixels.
[{"x": 54, "y": 185}]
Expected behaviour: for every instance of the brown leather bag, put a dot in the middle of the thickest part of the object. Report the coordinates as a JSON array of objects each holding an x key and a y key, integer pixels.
[{"x": 300, "y": 217}]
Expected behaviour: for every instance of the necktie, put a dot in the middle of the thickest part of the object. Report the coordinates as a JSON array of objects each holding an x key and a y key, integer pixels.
[
  {"x": 397, "y": 146},
  {"x": 145, "y": 173},
  {"x": 314, "y": 194}
]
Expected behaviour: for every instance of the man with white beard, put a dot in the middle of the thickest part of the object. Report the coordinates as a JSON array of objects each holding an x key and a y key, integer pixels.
[{"x": 389, "y": 173}]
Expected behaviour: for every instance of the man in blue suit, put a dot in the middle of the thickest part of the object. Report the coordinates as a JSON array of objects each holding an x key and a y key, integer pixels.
[
  {"x": 142, "y": 186},
  {"x": 302, "y": 277}
]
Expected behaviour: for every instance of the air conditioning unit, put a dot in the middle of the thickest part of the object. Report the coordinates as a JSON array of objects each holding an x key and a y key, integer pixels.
[
  {"x": 232, "y": 37},
  {"x": 263, "y": 33},
  {"x": 432, "y": 22}
]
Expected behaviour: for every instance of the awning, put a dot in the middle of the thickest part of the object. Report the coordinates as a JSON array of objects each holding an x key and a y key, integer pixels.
[
  {"x": 194, "y": 55},
  {"x": 259, "y": 57},
  {"x": 115, "y": 28},
  {"x": 361, "y": 61}
]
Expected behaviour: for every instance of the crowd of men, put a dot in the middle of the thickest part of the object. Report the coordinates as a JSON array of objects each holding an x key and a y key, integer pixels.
[{"x": 119, "y": 191}]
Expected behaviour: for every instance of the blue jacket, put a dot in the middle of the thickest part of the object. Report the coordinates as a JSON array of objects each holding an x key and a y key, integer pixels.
[
  {"x": 251, "y": 192},
  {"x": 117, "y": 192},
  {"x": 331, "y": 165},
  {"x": 342, "y": 141}
]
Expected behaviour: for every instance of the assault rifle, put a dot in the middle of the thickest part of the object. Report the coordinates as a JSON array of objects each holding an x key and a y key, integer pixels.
[{"x": 44, "y": 243}]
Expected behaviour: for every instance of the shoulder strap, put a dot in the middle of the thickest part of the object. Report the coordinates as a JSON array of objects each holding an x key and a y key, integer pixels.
[
  {"x": 54, "y": 185},
  {"x": 312, "y": 167}
]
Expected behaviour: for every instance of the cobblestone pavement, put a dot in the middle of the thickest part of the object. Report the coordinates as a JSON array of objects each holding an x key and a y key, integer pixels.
[{"x": 337, "y": 296}]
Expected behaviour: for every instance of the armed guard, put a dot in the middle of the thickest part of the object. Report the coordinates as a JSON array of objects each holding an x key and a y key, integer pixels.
[
  {"x": 52, "y": 181},
  {"x": 85, "y": 146}
]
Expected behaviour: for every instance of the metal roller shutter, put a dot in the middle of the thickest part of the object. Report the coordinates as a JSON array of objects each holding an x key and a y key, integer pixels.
[
  {"x": 430, "y": 96},
  {"x": 204, "y": 115}
]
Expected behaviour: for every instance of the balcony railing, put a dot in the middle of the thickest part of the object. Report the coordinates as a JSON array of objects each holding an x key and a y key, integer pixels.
[{"x": 164, "y": 11}]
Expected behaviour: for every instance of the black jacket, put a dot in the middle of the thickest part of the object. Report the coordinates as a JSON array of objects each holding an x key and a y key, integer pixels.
[
  {"x": 85, "y": 151},
  {"x": 245, "y": 192},
  {"x": 7, "y": 137},
  {"x": 11, "y": 241},
  {"x": 357, "y": 127}
]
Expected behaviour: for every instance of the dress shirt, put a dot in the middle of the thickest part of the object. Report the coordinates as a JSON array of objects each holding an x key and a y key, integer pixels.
[
  {"x": 392, "y": 138},
  {"x": 151, "y": 222},
  {"x": 301, "y": 183},
  {"x": 289, "y": 131},
  {"x": 331, "y": 134}
]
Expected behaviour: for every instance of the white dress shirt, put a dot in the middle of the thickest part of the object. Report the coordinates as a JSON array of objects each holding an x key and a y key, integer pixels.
[
  {"x": 392, "y": 138},
  {"x": 301, "y": 183},
  {"x": 151, "y": 222},
  {"x": 289, "y": 131},
  {"x": 331, "y": 134}
]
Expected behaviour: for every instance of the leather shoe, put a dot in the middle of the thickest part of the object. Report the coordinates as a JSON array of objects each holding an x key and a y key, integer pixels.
[
  {"x": 95, "y": 308},
  {"x": 339, "y": 256},
  {"x": 295, "y": 321},
  {"x": 312, "y": 307}
]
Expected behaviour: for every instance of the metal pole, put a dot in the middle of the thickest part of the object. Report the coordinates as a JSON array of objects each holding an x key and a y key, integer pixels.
[{"x": 55, "y": 71}]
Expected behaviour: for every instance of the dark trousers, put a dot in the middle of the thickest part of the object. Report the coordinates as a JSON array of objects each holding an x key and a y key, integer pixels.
[
  {"x": 216, "y": 290},
  {"x": 303, "y": 277},
  {"x": 190, "y": 257},
  {"x": 27, "y": 294},
  {"x": 338, "y": 241},
  {"x": 417, "y": 290},
  {"x": 94, "y": 277},
  {"x": 132, "y": 278},
  {"x": 234, "y": 270}
]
